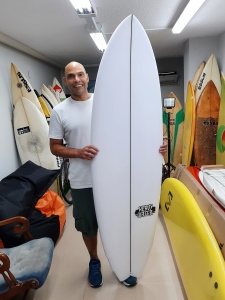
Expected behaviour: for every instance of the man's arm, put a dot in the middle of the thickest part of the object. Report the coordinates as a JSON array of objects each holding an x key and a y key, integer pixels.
[{"x": 58, "y": 149}]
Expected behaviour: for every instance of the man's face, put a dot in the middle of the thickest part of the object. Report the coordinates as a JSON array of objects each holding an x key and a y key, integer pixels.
[{"x": 76, "y": 79}]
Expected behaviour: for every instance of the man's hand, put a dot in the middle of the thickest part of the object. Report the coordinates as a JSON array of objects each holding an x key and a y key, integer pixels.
[
  {"x": 88, "y": 152},
  {"x": 163, "y": 147}
]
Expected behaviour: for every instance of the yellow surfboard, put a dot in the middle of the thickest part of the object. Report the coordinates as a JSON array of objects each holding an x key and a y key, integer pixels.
[
  {"x": 175, "y": 131},
  {"x": 189, "y": 125},
  {"x": 220, "y": 138},
  {"x": 199, "y": 259}
]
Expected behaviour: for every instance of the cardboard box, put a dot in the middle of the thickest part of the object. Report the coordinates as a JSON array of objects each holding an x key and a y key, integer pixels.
[{"x": 214, "y": 214}]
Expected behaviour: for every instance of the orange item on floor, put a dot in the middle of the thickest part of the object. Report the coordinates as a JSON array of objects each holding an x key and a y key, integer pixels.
[{"x": 51, "y": 204}]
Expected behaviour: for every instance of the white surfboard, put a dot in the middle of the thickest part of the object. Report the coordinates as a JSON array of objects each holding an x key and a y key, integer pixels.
[
  {"x": 21, "y": 87},
  {"x": 214, "y": 182},
  {"x": 54, "y": 93},
  {"x": 210, "y": 72},
  {"x": 31, "y": 134},
  {"x": 127, "y": 128},
  {"x": 198, "y": 74},
  {"x": 58, "y": 89},
  {"x": 48, "y": 94}
]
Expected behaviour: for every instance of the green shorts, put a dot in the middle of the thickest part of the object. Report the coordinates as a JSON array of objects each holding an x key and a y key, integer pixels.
[{"x": 84, "y": 211}]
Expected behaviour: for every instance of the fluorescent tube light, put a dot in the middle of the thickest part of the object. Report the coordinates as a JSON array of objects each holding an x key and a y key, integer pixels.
[
  {"x": 84, "y": 8},
  {"x": 189, "y": 11},
  {"x": 99, "y": 40}
]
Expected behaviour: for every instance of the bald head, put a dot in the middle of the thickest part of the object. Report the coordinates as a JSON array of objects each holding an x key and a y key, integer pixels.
[
  {"x": 76, "y": 79},
  {"x": 74, "y": 65}
]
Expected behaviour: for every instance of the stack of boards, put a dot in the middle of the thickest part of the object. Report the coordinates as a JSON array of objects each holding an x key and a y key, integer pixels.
[
  {"x": 213, "y": 179},
  {"x": 197, "y": 253},
  {"x": 29, "y": 120},
  {"x": 200, "y": 135}
]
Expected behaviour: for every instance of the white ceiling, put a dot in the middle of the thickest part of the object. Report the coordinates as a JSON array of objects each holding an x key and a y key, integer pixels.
[{"x": 54, "y": 31}]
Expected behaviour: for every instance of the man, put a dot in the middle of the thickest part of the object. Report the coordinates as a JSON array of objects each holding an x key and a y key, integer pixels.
[{"x": 71, "y": 121}]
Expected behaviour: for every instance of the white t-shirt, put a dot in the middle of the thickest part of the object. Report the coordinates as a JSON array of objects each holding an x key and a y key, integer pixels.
[{"x": 71, "y": 120}]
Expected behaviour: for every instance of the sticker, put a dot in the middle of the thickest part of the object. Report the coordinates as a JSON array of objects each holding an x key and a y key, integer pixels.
[{"x": 145, "y": 211}]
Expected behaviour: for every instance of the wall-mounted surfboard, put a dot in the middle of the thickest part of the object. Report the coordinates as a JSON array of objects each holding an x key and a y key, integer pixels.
[
  {"x": 189, "y": 125},
  {"x": 196, "y": 251},
  {"x": 210, "y": 73},
  {"x": 127, "y": 128},
  {"x": 58, "y": 89},
  {"x": 220, "y": 137},
  {"x": 21, "y": 87},
  {"x": 31, "y": 134}
]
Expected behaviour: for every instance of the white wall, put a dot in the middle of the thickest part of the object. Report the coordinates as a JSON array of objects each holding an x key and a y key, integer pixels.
[
  {"x": 173, "y": 64},
  {"x": 222, "y": 52},
  {"x": 163, "y": 65},
  {"x": 37, "y": 73}
]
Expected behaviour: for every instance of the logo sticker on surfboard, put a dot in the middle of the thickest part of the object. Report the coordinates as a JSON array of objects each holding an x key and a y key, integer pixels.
[
  {"x": 145, "y": 211},
  {"x": 26, "y": 85},
  {"x": 23, "y": 130}
]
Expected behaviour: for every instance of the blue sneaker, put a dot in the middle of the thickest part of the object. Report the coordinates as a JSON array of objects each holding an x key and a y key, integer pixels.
[
  {"x": 95, "y": 275},
  {"x": 130, "y": 281}
]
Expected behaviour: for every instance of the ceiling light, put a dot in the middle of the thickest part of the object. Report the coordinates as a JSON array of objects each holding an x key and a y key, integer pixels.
[
  {"x": 84, "y": 8},
  {"x": 99, "y": 40},
  {"x": 189, "y": 11}
]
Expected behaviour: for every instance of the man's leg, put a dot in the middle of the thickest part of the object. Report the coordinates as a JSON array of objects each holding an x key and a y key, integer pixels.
[
  {"x": 91, "y": 244},
  {"x": 86, "y": 223}
]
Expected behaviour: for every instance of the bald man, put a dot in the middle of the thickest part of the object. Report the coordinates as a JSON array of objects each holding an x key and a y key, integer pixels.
[{"x": 71, "y": 121}]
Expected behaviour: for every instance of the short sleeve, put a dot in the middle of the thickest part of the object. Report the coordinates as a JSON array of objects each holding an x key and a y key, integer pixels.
[{"x": 55, "y": 126}]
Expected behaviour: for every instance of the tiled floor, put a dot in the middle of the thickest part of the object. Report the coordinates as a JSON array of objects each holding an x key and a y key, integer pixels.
[{"x": 68, "y": 275}]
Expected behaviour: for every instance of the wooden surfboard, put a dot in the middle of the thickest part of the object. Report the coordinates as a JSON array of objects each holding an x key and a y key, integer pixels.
[
  {"x": 210, "y": 73},
  {"x": 58, "y": 89},
  {"x": 198, "y": 74},
  {"x": 175, "y": 131},
  {"x": 220, "y": 138},
  {"x": 207, "y": 114},
  {"x": 197, "y": 254},
  {"x": 189, "y": 125},
  {"x": 31, "y": 134},
  {"x": 127, "y": 171},
  {"x": 21, "y": 87}
]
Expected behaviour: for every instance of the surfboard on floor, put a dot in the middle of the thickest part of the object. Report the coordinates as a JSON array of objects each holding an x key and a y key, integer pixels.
[
  {"x": 210, "y": 73},
  {"x": 175, "y": 131},
  {"x": 21, "y": 87},
  {"x": 127, "y": 128},
  {"x": 220, "y": 137},
  {"x": 58, "y": 89},
  {"x": 207, "y": 114},
  {"x": 189, "y": 125},
  {"x": 197, "y": 254},
  {"x": 31, "y": 134}
]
